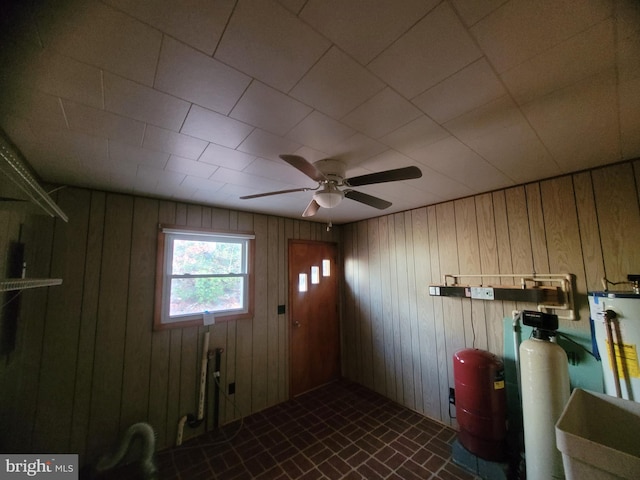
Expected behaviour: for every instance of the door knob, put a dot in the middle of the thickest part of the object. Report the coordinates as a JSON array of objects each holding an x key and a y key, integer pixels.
[{"x": 296, "y": 323}]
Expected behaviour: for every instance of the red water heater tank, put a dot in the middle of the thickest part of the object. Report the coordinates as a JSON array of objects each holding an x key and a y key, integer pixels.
[{"x": 481, "y": 403}]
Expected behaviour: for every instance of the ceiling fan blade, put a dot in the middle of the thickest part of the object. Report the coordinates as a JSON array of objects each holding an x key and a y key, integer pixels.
[
  {"x": 311, "y": 209},
  {"x": 405, "y": 173},
  {"x": 267, "y": 194},
  {"x": 309, "y": 169},
  {"x": 367, "y": 199}
]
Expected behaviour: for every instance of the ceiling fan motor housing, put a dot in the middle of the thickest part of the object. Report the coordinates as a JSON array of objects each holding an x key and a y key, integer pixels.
[{"x": 333, "y": 169}]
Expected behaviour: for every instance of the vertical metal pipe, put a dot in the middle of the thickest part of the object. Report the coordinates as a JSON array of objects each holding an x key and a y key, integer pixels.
[
  {"x": 216, "y": 390},
  {"x": 609, "y": 315}
]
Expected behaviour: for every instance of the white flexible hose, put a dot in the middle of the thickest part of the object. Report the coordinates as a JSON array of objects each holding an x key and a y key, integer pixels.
[{"x": 148, "y": 437}]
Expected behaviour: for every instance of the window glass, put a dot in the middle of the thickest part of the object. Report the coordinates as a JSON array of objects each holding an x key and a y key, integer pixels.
[
  {"x": 210, "y": 256},
  {"x": 315, "y": 275},
  {"x": 199, "y": 295},
  {"x": 203, "y": 272},
  {"x": 302, "y": 282},
  {"x": 326, "y": 268}
]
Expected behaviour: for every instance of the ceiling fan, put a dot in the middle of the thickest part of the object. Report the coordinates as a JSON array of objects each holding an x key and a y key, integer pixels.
[{"x": 329, "y": 174}]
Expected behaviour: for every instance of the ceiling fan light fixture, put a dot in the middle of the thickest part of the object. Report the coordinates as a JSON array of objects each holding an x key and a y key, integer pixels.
[{"x": 328, "y": 197}]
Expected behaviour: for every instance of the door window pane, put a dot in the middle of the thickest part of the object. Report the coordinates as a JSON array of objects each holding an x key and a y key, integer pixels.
[
  {"x": 326, "y": 268},
  {"x": 315, "y": 275},
  {"x": 302, "y": 282}
]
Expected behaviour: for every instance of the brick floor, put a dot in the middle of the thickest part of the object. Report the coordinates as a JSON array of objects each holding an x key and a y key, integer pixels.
[{"x": 339, "y": 431}]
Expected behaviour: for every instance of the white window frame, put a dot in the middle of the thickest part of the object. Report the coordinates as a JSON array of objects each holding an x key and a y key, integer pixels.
[{"x": 166, "y": 237}]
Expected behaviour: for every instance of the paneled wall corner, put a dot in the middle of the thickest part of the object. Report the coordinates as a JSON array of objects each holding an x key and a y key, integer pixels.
[{"x": 586, "y": 224}]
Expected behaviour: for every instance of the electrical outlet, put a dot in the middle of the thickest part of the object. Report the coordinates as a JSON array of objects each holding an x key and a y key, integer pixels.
[
  {"x": 232, "y": 388},
  {"x": 452, "y": 396}
]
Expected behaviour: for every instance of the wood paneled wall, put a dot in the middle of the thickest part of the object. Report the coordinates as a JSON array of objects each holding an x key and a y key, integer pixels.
[
  {"x": 87, "y": 363},
  {"x": 399, "y": 341}
]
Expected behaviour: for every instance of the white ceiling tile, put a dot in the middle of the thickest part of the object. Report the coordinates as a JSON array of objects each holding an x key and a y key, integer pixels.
[
  {"x": 19, "y": 26},
  {"x": 101, "y": 123},
  {"x": 452, "y": 158},
  {"x": 198, "y": 78},
  {"x": 198, "y": 23},
  {"x": 517, "y": 152},
  {"x": 442, "y": 186},
  {"x": 356, "y": 149},
  {"x": 266, "y": 145},
  {"x": 361, "y": 28},
  {"x": 199, "y": 183},
  {"x": 402, "y": 198},
  {"x": 122, "y": 174},
  {"x": 168, "y": 141},
  {"x": 56, "y": 168},
  {"x": 226, "y": 157},
  {"x": 415, "y": 135},
  {"x": 629, "y": 92},
  {"x": 19, "y": 131},
  {"x": 336, "y": 84},
  {"x": 465, "y": 90},
  {"x": 65, "y": 77},
  {"x": 382, "y": 114},
  {"x": 170, "y": 182},
  {"x": 123, "y": 153},
  {"x": 386, "y": 161},
  {"x": 319, "y": 131},
  {"x": 627, "y": 16},
  {"x": 233, "y": 192},
  {"x": 279, "y": 171},
  {"x": 472, "y": 11},
  {"x": 269, "y": 109},
  {"x": 579, "y": 124},
  {"x": 97, "y": 168},
  {"x": 522, "y": 29},
  {"x": 146, "y": 186},
  {"x": 518, "y": 94},
  {"x": 254, "y": 183},
  {"x": 63, "y": 141},
  {"x": 216, "y": 128},
  {"x": 159, "y": 176},
  {"x": 140, "y": 102},
  {"x": 122, "y": 181},
  {"x": 100, "y": 35},
  {"x": 36, "y": 106},
  {"x": 310, "y": 154},
  {"x": 494, "y": 116},
  {"x": 189, "y": 167},
  {"x": 628, "y": 57},
  {"x": 435, "y": 48},
  {"x": 257, "y": 30},
  {"x": 568, "y": 62},
  {"x": 207, "y": 197},
  {"x": 294, "y": 6}
]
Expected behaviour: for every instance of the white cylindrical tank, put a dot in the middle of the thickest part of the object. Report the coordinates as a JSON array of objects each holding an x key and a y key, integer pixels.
[{"x": 544, "y": 371}]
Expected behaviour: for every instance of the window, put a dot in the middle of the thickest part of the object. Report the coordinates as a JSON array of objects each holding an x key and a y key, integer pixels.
[{"x": 200, "y": 273}]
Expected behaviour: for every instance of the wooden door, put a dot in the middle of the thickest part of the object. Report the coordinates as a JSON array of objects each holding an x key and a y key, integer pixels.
[{"x": 313, "y": 315}]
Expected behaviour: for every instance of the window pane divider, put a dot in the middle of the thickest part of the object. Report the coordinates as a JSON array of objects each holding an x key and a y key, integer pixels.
[{"x": 207, "y": 275}]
